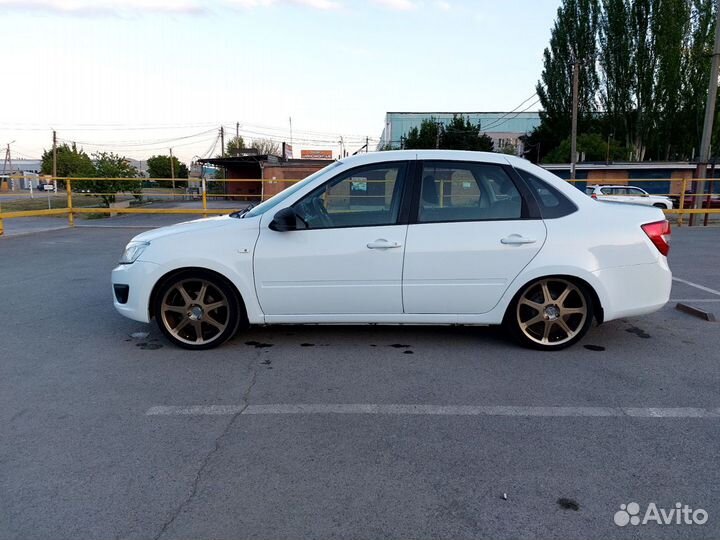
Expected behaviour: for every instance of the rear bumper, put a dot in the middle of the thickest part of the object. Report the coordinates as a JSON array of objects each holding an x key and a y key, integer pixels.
[
  {"x": 139, "y": 277},
  {"x": 635, "y": 290}
]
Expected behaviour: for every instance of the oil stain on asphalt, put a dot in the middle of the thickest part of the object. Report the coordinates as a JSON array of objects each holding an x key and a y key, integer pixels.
[
  {"x": 639, "y": 332},
  {"x": 568, "y": 504},
  {"x": 258, "y": 344},
  {"x": 149, "y": 346}
]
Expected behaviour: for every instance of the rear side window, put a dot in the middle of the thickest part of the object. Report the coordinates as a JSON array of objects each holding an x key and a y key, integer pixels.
[
  {"x": 552, "y": 203},
  {"x": 460, "y": 191}
]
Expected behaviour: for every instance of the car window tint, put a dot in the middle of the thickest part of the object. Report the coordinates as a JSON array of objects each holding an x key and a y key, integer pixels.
[
  {"x": 454, "y": 191},
  {"x": 361, "y": 197},
  {"x": 552, "y": 203}
]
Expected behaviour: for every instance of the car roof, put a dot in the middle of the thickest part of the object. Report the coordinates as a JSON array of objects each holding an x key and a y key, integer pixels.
[{"x": 458, "y": 155}]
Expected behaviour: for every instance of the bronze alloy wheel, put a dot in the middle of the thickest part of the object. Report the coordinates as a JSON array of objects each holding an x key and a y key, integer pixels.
[
  {"x": 552, "y": 312},
  {"x": 195, "y": 312}
]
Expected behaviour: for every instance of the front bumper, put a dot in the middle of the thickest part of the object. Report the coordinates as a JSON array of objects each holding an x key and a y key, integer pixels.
[{"x": 139, "y": 277}]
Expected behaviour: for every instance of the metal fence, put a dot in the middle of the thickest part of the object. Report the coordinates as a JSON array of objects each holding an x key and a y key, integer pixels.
[{"x": 74, "y": 197}]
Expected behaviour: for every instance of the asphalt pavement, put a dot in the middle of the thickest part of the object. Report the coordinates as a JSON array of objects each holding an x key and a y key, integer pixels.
[{"x": 108, "y": 431}]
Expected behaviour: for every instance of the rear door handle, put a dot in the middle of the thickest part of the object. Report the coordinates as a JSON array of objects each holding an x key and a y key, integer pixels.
[
  {"x": 517, "y": 239},
  {"x": 381, "y": 243}
]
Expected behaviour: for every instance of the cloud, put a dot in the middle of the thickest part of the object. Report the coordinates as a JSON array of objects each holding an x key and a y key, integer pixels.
[
  {"x": 399, "y": 5},
  {"x": 314, "y": 4},
  {"x": 138, "y": 7},
  {"x": 443, "y": 5},
  {"x": 103, "y": 7}
]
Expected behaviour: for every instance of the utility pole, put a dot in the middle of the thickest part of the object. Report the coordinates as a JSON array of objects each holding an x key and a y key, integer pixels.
[
  {"x": 701, "y": 171},
  {"x": 367, "y": 144},
  {"x": 222, "y": 141},
  {"x": 237, "y": 130},
  {"x": 54, "y": 164},
  {"x": 172, "y": 173},
  {"x": 573, "y": 136}
]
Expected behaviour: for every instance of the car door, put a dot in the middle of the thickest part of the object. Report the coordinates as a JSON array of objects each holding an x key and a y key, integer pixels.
[
  {"x": 613, "y": 194},
  {"x": 638, "y": 196},
  {"x": 348, "y": 258},
  {"x": 469, "y": 237}
]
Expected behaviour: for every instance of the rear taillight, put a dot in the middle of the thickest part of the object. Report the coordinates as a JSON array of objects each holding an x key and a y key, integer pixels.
[
  {"x": 659, "y": 234},
  {"x": 593, "y": 196}
]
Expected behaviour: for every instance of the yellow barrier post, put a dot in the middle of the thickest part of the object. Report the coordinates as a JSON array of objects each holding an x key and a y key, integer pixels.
[
  {"x": 682, "y": 201},
  {"x": 204, "y": 195},
  {"x": 2, "y": 227},
  {"x": 71, "y": 216}
]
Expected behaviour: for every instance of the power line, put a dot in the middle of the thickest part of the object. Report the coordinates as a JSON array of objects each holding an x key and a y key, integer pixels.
[{"x": 498, "y": 122}]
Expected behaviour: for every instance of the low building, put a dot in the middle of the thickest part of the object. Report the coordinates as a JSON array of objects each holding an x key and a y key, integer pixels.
[
  {"x": 656, "y": 177},
  {"x": 259, "y": 177},
  {"x": 505, "y": 128}
]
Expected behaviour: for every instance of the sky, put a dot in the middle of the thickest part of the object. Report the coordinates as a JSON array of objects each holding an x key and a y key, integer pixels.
[{"x": 139, "y": 76}]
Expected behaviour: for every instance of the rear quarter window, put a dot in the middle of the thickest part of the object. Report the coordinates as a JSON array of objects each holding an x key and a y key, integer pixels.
[{"x": 552, "y": 203}]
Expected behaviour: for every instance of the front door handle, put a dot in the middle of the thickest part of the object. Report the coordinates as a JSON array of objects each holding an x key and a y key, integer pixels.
[
  {"x": 381, "y": 243},
  {"x": 517, "y": 239}
]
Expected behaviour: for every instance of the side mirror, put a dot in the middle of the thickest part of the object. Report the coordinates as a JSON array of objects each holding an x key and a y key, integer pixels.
[{"x": 285, "y": 220}]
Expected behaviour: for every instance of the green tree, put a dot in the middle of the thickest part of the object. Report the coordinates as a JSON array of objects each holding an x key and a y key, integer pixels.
[
  {"x": 696, "y": 69},
  {"x": 71, "y": 162},
  {"x": 459, "y": 134},
  {"x": 671, "y": 32},
  {"x": 592, "y": 145},
  {"x": 652, "y": 61},
  {"x": 427, "y": 136},
  {"x": 234, "y": 146},
  {"x": 109, "y": 165},
  {"x": 266, "y": 146},
  {"x": 159, "y": 167},
  {"x": 616, "y": 62},
  {"x": 462, "y": 134},
  {"x": 573, "y": 38}
]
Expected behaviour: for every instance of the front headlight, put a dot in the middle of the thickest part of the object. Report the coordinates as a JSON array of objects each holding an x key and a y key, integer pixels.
[{"x": 132, "y": 251}]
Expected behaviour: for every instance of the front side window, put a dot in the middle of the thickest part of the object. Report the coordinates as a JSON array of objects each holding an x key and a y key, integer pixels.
[
  {"x": 362, "y": 197},
  {"x": 455, "y": 191}
]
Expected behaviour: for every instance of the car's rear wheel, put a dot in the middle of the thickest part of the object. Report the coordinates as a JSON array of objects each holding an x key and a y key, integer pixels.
[
  {"x": 550, "y": 313},
  {"x": 197, "y": 310},
  {"x": 660, "y": 205}
]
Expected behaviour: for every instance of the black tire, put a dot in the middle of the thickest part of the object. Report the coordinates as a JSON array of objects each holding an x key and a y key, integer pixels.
[
  {"x": 197, "y": 309},
  {"x": 573, "y": 309},
  {"x": 660, "y": 205}
]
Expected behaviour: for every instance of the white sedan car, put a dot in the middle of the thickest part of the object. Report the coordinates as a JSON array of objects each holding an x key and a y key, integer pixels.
[
  {"x": 404, "y": 237},
  {"x": 629, "y": 194}
]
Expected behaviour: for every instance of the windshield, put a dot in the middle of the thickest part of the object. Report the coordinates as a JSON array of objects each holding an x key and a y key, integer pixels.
[{"x": 273, "y": 201}]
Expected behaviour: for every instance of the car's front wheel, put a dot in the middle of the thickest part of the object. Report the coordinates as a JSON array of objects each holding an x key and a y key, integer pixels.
[
  {"x": 550, "y": 314},
  {"x": 197, "y": 310}
]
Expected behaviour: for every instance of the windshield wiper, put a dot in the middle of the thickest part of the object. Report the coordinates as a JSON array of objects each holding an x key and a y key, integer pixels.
[{"x": 241, "y": 213}]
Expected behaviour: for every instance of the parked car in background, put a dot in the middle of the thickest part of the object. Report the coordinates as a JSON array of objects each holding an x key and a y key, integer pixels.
[
  {"x": 404, "y": 237},
  {"x": 629, "y": 194}
]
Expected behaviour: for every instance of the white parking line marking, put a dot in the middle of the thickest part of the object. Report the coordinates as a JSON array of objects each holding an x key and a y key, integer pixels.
[
  {"x": 433, "y": 410},
  {"x": 694, "y": 300},
  {"x": 697, "y": 286}
]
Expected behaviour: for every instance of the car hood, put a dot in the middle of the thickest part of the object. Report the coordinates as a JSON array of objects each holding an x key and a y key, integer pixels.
[{"x": 196, "y": 226}]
